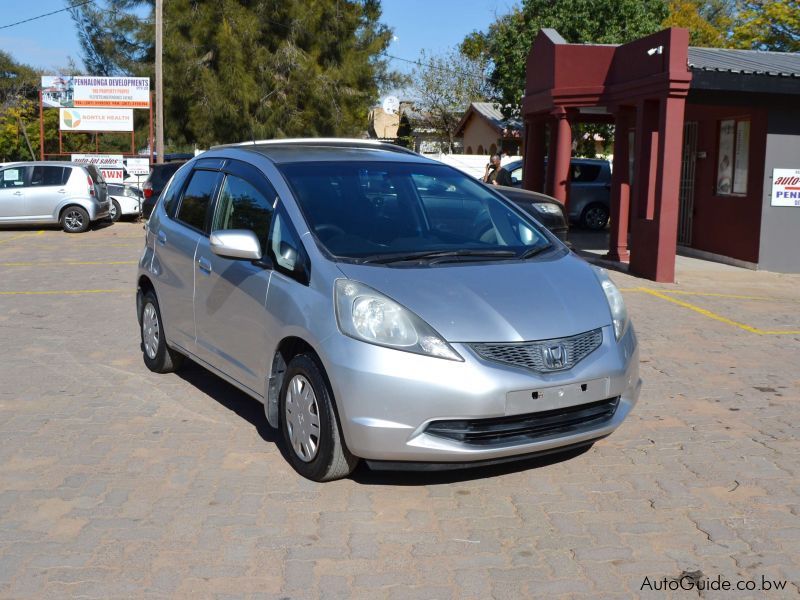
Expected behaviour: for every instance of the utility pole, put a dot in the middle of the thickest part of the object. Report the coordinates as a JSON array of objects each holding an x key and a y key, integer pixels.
[{"x": 159, "y": 82}]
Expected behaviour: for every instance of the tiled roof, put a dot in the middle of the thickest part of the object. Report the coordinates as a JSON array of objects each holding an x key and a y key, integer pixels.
[{"x": 750, "y": 62}]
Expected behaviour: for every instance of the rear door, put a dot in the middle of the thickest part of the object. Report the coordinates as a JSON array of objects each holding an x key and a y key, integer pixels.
[
  {"x": 176, "y": 237},
  {"x": 230, "y": 295},
  {"x": 46, "y": 190},
  {"x": 12, "y": 193}
]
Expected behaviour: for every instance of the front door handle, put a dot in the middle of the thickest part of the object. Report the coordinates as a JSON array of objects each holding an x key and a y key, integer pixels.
[
  {"x": 162, "y": 238},
  {"x": 62, "y": 191},
  {"x": 18, "y": 193},
  {"x": 204, "y": 264}
]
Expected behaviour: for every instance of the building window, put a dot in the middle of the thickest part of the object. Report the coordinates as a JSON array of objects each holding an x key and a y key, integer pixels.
[{"x": 733, "y": 157}]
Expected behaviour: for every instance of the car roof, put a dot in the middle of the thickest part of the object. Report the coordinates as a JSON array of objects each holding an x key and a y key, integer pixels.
[
  {"x": 39, "y": 163},
  {"x": 328, "y": 149}
]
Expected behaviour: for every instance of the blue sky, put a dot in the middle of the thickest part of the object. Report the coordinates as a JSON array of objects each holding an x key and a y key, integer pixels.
[{"x": 432, "y": 25}]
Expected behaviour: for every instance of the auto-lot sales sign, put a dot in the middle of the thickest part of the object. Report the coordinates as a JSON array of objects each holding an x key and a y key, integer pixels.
[{"x": 785, "y": 187}]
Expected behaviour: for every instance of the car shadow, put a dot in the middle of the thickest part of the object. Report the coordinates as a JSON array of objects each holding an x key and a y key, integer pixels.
[
  {"x": 229, "y": 396},
  {"x": 252, "y": 411}
]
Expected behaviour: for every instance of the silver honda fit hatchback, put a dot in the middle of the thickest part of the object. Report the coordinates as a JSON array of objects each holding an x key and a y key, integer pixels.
[{"x": 382, "y": 306}]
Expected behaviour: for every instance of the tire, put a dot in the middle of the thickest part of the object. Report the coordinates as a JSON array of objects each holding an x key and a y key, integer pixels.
[
  {"x": 74, "y": 219},
  {"x": 115, "y": 213},
  {"x": 158, "y": 357},
  {"x": 594, "y": 217},
  {"x": 305, "y": 398}
]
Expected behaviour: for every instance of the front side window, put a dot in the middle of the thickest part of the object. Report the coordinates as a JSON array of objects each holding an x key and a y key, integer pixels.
[
  {"x": 196, "y": 199},
  {"x": 242, "y": 206},
  {"x": 12, "y": 178},
  {"x": 373, "y": 211}
]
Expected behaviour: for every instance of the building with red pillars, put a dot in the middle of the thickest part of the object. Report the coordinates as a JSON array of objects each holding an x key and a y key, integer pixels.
[{"x": 707, "y": 145}]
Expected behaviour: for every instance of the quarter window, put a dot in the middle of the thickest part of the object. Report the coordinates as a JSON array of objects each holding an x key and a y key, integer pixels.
[
  {"x": 242, "y": 206},
  {"x": 197, "y": 198}
]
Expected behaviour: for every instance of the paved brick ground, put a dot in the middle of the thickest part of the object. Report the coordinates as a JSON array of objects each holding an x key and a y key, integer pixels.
[{"x": 118, "y": 483}]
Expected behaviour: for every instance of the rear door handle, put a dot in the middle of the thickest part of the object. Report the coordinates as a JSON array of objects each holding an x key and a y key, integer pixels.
[
  {"x": 162, "y": 238},
  {"x": 204, "y": 264},
  {"x": 62, "y": 191},
  {"x": 18, "y": 193}
]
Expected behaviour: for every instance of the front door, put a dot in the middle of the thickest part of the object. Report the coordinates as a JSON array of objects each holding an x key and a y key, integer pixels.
[
  {"x": 230, "y": 294},
  {"x": 686, "y": 198},
  {"x": 12, "y": 194}
]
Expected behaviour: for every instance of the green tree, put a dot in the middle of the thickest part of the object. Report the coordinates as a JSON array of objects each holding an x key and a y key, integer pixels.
[
  {"x": 508, "y": 40},
  {"x": 249, "y": 69},
  {"x": 709, "y": 21},
  {"x": 768, "y": 25},
  {"x": 19, "y": 85},
  {"x": 443, "y": 88}
]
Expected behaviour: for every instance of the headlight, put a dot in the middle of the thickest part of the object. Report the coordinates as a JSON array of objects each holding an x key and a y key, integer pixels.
[
  {"x": 367, "y": 315},
  {"x": 619, "y": 314},
  {"x": 129, "y": 192},
  {"x": 547, "y": 208}
]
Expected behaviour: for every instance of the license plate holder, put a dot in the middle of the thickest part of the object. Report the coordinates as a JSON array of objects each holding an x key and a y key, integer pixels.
[{"x": 557, "y": 396}]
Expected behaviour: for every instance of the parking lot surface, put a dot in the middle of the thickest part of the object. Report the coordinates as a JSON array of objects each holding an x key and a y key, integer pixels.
[{"x": 115, "y": 482}]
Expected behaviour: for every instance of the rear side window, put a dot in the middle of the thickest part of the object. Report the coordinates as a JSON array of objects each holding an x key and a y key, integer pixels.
[
  {"x": 162, "y": 173},
  {"x": 197, "y": 197},
  {"x": 584, "y": 173},
  {"x": 170, "y": 196},
  {"x": 45, "y": 175}
]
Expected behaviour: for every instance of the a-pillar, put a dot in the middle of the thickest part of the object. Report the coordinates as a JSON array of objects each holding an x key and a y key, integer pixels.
[
  {"x": 656, "y": 184},
  {"x": 533, "y": 165},
  {"x": 560, "y": 153},
  {"x": 621, "y": 186}
]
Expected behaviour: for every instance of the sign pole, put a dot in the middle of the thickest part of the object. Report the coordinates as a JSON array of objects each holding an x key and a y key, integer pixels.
[
  {"x": 41, "y": 128},
  {"x": 159, "y": 82}
]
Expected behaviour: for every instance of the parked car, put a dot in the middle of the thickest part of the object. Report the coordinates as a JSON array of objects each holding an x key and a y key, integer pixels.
[
  {"x": 545, "y": 209},
  {"x": 589, "y": 190},
  {"x": 52, "y": 192},
  {"x": 155, "y": 183},
  {"x": 347, "y": 285},
  {"x": 126, "y": 200}
]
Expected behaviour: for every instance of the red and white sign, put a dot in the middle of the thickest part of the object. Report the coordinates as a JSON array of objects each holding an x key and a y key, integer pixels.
[
  {"x": 96, "y": 119},
  {"x": 111, "y": 165},
  {"x": 785, "y": 187}
]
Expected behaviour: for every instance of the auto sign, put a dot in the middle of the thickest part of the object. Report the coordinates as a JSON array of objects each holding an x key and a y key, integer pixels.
[{"x": 785, "y": 187}]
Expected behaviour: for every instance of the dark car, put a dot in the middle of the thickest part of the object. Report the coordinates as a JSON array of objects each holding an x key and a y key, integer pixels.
[
  {"x": 156, "y": 182},
  {"x": 589, "y": 190},
  {"x": 548, "y": 211}
]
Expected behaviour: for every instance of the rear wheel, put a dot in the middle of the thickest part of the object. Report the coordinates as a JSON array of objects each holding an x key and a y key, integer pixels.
[
  {"x": 309, "y": 425},
  {"x": 74, "y": 219},
  {"x": 158, "y": 357},
  {"x": 594, "y": 217},
  {"x": 114, "y": 212}
]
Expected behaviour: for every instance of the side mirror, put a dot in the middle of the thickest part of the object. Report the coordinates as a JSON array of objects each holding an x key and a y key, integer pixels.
[
  {"x": 288, "y": 257},
  {"x": 236, "y": 243}
]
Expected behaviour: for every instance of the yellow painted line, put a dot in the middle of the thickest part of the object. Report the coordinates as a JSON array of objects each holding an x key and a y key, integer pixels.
[
  {"x": 64, "y": 292},
  {"x": 67, "y": 263},
  {"x": 22, "y": 235},
  {"x": 716, "y": 295},
  {"x": 715, "y": 316}
]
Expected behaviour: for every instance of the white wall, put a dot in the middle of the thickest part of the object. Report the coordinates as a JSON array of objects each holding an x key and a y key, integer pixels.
[{"x": 471, "y": 164}]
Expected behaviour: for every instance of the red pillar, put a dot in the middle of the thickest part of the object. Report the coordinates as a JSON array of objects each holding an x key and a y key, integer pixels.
[
  {"x": 560, "y": 156},
  {"x": 654, "y": 232},
  {"x": 620, "y": 187},
  {"x": 533, "y": 166}
]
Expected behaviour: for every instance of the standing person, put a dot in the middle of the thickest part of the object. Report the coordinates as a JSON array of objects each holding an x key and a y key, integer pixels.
[{"x": 495, "y": 174}]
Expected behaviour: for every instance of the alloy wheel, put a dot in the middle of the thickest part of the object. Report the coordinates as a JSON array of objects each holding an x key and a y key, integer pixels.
[{"x": 73, "y": 220}]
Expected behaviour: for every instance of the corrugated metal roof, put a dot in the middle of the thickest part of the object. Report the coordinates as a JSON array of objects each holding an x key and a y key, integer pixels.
[
  {"x": 494, "y": 116},
  {"x": 751, "y": 62}
]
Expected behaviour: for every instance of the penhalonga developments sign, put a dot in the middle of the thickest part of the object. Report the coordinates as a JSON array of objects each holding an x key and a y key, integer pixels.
[{"x": 63, "y": 91}]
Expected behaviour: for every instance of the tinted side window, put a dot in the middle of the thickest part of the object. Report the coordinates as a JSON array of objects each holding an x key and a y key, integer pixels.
[
  {"x": 42, "y": 175},
  {"x": 12, "y": 177},
  {"x": 242, "y": 206},
  {"x": 584, "y": 173},
  {"x": 162, "y": 173},
  {"x": 170, "y": 196},
  {"x": 196, "y": 198}
]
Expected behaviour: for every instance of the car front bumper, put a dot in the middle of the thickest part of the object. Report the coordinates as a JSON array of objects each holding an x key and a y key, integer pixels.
[{"x": 387, "y": 399}]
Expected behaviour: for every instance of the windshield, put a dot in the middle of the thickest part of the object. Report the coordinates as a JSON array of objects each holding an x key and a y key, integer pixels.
[{"x": 372, "y": 211}]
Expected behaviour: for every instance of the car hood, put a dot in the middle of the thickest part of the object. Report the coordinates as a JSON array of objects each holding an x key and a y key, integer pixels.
[{"x": 496, "y": 302}]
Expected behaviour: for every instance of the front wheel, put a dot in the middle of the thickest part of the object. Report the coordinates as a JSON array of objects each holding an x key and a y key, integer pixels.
[
  {"x": 158, "y": 357},
  {"x": 310, "y": 429},
  {"x": 594, "y": 217},
  {"x": 74, "y": 219}
]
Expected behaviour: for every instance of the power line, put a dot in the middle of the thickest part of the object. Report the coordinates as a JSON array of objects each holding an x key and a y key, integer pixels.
[
  {"x": 434, "y": 67},
  {"x": 76, "y": 5}
]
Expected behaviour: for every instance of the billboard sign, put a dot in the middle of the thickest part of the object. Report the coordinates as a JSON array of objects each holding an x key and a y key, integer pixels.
[
  {"x": 62, "y": 91},
  {"x": 96, "y": 119},
  {"x": 785, "y": 187},
  {"x": 111, "y": 165},
  {"x": 138, "y": 166}
]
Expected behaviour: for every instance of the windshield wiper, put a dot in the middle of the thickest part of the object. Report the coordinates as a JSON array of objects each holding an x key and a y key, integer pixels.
[
  {"x": 438, "y": 254},
  {"x": 534, "y": 251}
]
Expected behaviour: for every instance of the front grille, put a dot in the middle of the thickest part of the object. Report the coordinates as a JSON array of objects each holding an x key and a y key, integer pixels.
[
  {"x": 525, "y": 428},
  {"x": 533, "y": 355}
]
